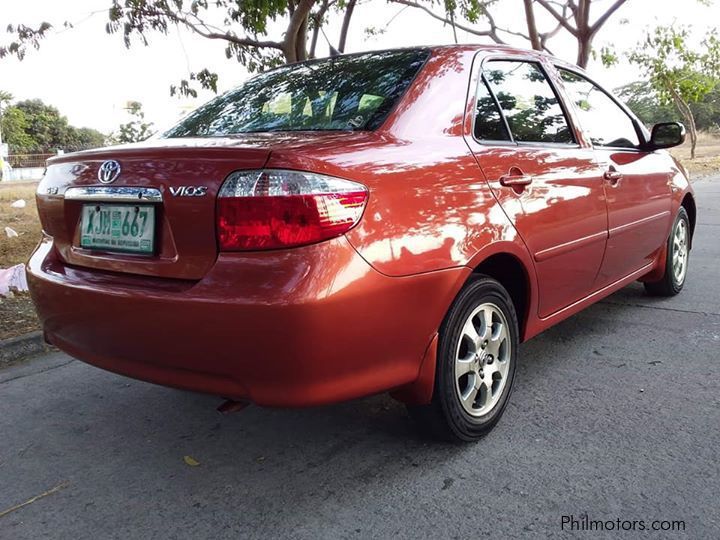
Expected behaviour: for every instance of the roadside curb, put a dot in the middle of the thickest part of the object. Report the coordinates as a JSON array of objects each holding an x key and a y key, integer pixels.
[{"x": 20, "y": 347}]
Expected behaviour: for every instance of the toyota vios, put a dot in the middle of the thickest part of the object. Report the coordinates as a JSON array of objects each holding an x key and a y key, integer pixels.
[{"x": 392, "y": 221}]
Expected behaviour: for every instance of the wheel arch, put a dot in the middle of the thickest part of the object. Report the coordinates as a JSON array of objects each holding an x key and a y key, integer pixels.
[
  {"x": 506, "y": 265},
  {"x": 688, "y": 203},
  {"x": 513, "y": 275}
]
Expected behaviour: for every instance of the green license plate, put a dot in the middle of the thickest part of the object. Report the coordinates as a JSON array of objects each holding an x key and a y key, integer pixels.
[{"x": 118, "y": 227}]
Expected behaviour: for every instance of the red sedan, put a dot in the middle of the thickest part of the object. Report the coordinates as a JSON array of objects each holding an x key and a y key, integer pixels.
[{"x": 389, "y": 221}]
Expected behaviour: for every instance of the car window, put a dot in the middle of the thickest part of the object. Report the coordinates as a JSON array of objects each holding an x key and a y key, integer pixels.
[
  {"x": 528, "y": 102},
  {"x": 489, "y": 125},
  {"x": 600, "y": 117},
  {"x": 342, "y": 93}
]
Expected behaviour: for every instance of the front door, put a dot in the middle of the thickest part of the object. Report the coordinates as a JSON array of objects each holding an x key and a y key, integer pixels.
[
  {"x": 548, "y": 184},
  {"x": 637, "y": 192}
]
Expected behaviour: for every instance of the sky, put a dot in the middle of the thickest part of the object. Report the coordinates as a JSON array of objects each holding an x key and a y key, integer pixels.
[{"x": 90, "y": 75}]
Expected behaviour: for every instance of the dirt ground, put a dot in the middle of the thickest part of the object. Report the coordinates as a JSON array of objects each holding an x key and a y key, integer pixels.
[
  {"x": 23, "y": 220},
  {"x": 707, "y": 155},
  {"x": 17, "y": 315}
]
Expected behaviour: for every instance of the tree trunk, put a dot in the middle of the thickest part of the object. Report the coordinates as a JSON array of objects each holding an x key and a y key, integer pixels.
[
  {"x": 301, "y": 41},
  {"x": 532, "y": 26},
  {"x": 584, "y": 44},
  {"x": 317, "y": 18},
  {"x": 689, "y": 118},
  {"x": 294, "y": 46},
  {"x": 585, "y": 34},
  {"x": 313, "y": 42},
  {"x": 346, "y": 25},
  {"x": 693, "y": 131}
]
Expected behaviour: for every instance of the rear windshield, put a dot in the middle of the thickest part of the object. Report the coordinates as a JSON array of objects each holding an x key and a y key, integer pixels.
[{"x": 343, "y": 93}]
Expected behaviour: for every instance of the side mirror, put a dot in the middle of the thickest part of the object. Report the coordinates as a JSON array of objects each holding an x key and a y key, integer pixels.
[{"x": 667, "y": 135}]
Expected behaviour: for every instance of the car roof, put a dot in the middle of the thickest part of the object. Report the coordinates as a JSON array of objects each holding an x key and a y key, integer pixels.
[
  {"x": 493, "y": 48},
  {"x": 496, "y": 48},
  {"x": 446, "y": 49}
]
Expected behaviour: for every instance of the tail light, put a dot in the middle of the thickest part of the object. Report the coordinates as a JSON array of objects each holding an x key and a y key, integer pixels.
[{"x": 270, "y": 208}]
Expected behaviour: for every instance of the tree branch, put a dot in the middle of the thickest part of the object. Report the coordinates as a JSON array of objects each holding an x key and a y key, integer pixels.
[
  {"x": 226, "y": 36},
  {"x": 483, "y": 33},
  {"x": 545, "y": 36},
  {"x": 605, "y": 16},
  {"x": 562, "y": 20}
]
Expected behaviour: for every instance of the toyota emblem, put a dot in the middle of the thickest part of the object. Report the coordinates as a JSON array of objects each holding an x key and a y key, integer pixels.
[{"x": 109, "y": 171}]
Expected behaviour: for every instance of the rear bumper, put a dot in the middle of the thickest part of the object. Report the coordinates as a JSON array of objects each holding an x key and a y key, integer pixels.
[{"x": 298, "y": 327}]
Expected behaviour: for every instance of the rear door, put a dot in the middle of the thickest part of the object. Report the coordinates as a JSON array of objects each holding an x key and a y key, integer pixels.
[
  {"x": 637, "y": 182},
  {"x": 547, "y": 182}
]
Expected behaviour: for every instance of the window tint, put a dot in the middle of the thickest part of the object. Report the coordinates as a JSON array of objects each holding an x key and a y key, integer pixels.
[
  {"x": 343, "y": 93},
  {"x": 489, "y": 125},
  {"x": 601, "y": 118},
  {"x": 528, "y": 102}
]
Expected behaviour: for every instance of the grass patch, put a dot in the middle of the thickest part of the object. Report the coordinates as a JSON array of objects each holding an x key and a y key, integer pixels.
[
  {"x": 17, "y": 313},
  {"x": 23, "y": 220}
]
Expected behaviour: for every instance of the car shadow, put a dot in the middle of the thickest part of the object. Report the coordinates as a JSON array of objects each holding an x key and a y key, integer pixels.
[
  {"x": 168, "y": 416},
  {"x": 342, "y": 426}
]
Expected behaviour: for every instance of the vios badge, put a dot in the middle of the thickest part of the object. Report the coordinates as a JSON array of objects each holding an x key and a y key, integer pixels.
[
  {"x": 108, "y": 171},
  {"x": 188, "y": 191}
]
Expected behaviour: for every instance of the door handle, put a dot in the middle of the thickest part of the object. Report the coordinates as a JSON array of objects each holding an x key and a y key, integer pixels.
[
  {"x": 515, "y": 177},
  {"x": 612, "y": 176}
]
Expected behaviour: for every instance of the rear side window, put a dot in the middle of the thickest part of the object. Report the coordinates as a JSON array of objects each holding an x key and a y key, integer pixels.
[
  {"x": 354, "y": 92},
  {"x": 603, "y": 119},
  {"x": 489, "y": 125},
  {"x": 528, "y": 102}
]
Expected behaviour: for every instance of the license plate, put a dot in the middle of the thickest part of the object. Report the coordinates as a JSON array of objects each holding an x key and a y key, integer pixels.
[{"x": 118, "y": 227}]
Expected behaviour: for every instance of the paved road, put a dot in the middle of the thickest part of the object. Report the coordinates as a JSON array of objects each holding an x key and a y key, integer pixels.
[{"x": 616, "y": 413}]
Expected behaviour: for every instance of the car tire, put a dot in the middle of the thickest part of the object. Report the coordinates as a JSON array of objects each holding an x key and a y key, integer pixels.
[
  {"x": 676, "y": 262},
  {"x": 476, "y": 358}
]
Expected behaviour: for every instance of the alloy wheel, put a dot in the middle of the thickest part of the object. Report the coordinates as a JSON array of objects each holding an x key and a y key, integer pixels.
[
  {"x": 680, "y": 251},
  {"x": 482, "y": 359}
]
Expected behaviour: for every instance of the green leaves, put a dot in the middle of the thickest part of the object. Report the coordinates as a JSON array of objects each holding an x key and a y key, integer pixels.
[
  {"x": 14, "y": 129},
  {"x": 607, "y": 55},
  {"x": 33, "y": 126},
  {"x": 207, "y": 80},
  {"x": 254, "y": 15},
  {"x": 26, "y": 36},
  {"x": 675, "y": 67},
  {"x": 241, "y": 24},
  {"x": 679, "y": 72},
  {"x": 643, "y": 100},
  {"x": 136, "y": 129}
]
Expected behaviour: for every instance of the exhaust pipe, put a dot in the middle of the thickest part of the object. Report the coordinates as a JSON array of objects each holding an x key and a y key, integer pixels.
[{"x": 231, "y": 406}]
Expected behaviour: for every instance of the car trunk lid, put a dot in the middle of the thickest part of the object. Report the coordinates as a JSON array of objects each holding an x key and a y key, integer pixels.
[{"x": 178, "y": 178}]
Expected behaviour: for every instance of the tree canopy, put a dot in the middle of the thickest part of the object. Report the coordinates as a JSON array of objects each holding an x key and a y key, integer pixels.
[
  {"x": 247, "y": 28},
  {"x": 679, "y": 72},
  {"x": 32, "y": 126},
  {"x": 265, "y": 33},
  {"x": 645, "y": 102},
  {"x": 478, "y": 17}
]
